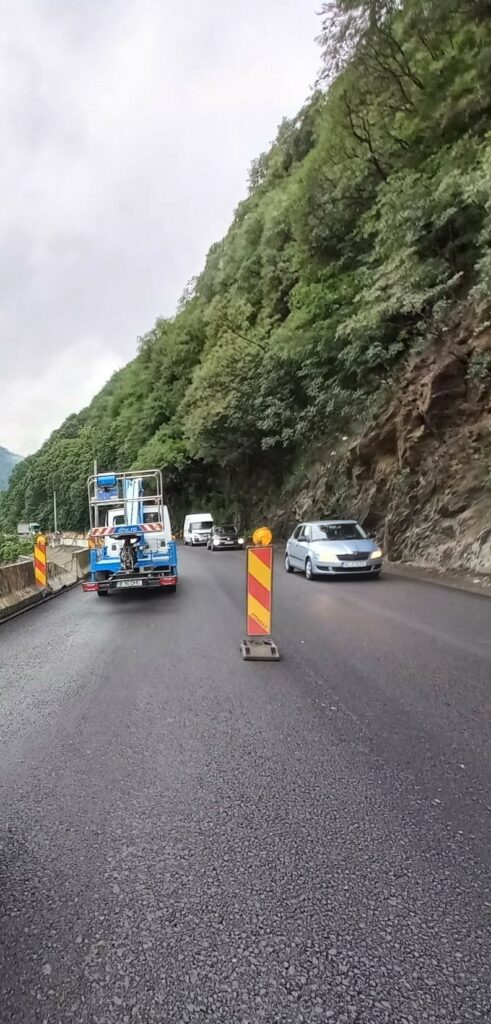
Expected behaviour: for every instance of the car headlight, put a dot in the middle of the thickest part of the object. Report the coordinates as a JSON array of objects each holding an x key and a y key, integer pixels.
[
  {"x": 376, "y": 554},
  {"x": 327, "y": 556},
  {"x": 241, "y": 540},
  {"x": 216, "y": 540}
]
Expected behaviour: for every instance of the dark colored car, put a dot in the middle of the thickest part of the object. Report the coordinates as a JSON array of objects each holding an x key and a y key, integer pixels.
[{"x": 223, "y": 537}]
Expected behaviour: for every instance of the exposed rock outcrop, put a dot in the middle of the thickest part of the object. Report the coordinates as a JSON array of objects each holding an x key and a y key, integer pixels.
[{"x": 421, "y": 474}]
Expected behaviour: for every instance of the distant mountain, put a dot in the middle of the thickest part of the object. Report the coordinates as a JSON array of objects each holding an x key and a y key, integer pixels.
[{"x": 7, "y": 462}]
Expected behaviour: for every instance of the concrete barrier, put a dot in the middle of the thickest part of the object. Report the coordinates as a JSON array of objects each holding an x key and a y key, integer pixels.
[
  {"x": 69, "y": 540},
  {"x": 18, "y": 589},
  {"x": 66, "y": 566}
]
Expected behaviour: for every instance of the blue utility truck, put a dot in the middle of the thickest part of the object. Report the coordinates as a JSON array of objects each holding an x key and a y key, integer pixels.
[{"x": 130, "y": 539}]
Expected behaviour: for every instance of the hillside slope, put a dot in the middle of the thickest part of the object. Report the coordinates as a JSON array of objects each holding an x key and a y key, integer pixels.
[
  {"x": 333, "y": 355},
  {"x": 7, "y": 462}
]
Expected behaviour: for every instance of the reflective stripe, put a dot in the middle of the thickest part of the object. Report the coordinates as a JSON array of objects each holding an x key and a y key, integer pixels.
[{"x": 259, "y": 584}]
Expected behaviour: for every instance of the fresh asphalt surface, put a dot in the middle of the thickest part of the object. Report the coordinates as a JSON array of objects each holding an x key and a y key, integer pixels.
[{"x": 185, "y": 837}]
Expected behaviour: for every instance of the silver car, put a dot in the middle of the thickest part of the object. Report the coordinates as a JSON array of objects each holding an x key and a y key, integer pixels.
[{"x": 332, "y": 547}]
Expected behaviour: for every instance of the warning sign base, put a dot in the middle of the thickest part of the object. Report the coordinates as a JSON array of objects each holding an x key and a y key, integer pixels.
[{"x": 259, "y": 649}]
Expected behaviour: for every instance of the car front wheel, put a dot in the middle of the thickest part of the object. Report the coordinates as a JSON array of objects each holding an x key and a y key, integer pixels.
[
  {"x": 309, "y": 572},
  {"x": 288, "y": 565}
]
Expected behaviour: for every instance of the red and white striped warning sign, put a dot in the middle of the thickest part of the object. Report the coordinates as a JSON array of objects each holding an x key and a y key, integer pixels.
[{"x": 112, "y": 531}]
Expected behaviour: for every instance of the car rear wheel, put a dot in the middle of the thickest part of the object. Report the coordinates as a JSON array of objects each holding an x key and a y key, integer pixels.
[
  {"x": 309, "y": 572},
  {"x": 288, "y": 565}
]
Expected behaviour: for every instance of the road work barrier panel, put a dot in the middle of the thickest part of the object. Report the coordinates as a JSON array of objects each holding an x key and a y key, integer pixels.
[
  {"x": 41, "y": 561},
  {"x": 66, "y": 565},
  {"x": 18, "y": 589},
  {"x": 258, "y": 644}
]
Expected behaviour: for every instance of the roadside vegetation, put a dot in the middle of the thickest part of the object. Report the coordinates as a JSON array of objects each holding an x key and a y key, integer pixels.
[
  {"x": 365, "y": 232},
  {"x": 12, "y": 547}
]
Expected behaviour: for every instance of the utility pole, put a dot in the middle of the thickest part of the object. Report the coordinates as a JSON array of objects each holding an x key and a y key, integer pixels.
[
  {"x": 55, "y": 512},
  {"x": 96, "y": 507}
]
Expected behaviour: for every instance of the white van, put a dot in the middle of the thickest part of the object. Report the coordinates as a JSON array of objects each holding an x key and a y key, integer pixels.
[
  {"x": 197, "y": 528},
  {"x": 151, "y": 514}
]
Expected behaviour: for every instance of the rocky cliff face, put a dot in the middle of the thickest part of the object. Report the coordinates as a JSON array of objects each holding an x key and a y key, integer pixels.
[{"x": 421, "y": 475}]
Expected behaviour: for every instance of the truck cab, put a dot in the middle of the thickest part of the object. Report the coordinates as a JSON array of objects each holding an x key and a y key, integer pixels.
[
  {"x": 151, "y": 514},
  {"x": 197, "y": 528}
]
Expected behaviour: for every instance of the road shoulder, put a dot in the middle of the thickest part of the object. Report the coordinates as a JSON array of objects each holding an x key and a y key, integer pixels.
[{"x": 470, "y": 583}]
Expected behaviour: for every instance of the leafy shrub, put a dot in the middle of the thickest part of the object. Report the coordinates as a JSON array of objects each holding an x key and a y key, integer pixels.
[{"x": 12, "y": 547}]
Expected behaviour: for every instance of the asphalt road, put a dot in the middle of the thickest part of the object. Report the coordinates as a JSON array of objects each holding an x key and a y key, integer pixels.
[{"x": 185, "y": 837}]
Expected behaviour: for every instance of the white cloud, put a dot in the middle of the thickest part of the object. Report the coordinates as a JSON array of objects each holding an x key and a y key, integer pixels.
[
  {"x": 51, "y": 391},
  {"x": 127, "y": 130}
]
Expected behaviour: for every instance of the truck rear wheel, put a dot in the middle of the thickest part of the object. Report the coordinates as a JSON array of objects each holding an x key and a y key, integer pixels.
[{"x": 102, "y": 593}]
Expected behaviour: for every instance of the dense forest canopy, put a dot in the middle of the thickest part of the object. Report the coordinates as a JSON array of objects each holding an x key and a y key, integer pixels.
[{"x": 366, "y": 224}]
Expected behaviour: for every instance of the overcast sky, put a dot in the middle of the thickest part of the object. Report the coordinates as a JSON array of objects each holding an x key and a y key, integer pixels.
[{"x": 127, "y": 129}]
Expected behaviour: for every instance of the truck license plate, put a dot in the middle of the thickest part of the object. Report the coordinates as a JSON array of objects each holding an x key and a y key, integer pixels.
[{"x": 129, "y": 583}]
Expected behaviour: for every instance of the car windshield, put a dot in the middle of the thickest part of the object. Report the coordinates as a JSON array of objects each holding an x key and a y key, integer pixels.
[
  {"x": 337, "y": 531},
  {"x": 223, "y": 530},
  {"x": 202, "y": 524}
]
